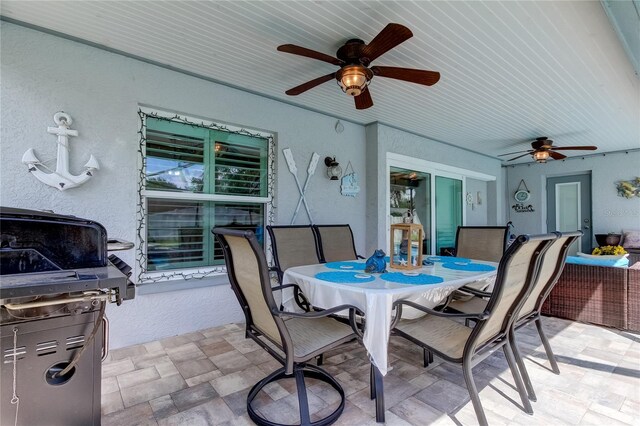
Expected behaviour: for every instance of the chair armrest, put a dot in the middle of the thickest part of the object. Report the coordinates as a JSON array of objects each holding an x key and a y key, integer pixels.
[
  {"x": 477, "y": 316},
  {"x": 315, "y": 314},
  {"x": 283, "y": 286},
  {"x": 475, "y": 292},
  {"x": 298, "y": 296}
]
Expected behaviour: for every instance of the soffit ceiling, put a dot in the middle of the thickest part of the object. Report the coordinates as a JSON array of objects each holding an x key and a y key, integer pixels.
[{"x": 510, "y": 71}]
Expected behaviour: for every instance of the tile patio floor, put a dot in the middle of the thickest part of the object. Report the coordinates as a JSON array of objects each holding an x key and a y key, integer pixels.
[{"x": 203, "y": 378}]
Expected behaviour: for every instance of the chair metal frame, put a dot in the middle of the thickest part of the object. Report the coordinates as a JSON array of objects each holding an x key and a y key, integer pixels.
[
  {"x": 292, "y": 365},
  {"x": 317, "y": 229},
  {"x": 475, "y": 353}
]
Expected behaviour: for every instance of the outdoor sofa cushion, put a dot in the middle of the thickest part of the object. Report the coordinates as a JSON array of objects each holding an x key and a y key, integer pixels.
[{"x": 617, "y": 263}]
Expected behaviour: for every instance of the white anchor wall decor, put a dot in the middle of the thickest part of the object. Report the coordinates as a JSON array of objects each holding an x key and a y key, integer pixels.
[{"x": 61, "y": 178}]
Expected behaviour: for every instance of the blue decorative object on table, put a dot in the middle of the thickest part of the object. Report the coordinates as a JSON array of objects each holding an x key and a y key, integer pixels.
[
  {"x": 411, "y": 278},
  {"x": 345, "y": 265},
  {"x": 448, "y": 259},
  {"x": 345, "y": 277},
  {"x": 472, "y": 267},
  {"x": 376, "y": 263}
]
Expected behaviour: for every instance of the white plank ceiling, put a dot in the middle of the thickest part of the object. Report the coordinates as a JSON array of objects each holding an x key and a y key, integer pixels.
[{"x": 511, "y": 71}]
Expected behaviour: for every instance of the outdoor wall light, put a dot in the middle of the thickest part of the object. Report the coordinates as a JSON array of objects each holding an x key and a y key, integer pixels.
[
  {"x": 541, "y": 156},
  {"x": 334, "y": 171}
]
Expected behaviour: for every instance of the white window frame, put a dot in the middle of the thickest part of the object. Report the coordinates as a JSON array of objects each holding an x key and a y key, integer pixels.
[{"x": 143, "y": 275}]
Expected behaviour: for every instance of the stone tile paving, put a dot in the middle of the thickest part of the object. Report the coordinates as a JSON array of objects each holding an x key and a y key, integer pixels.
[{"x": 203, "y": 378}]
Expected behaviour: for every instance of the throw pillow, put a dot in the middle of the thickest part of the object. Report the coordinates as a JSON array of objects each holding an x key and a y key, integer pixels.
[{"x": 631, "y": 239}]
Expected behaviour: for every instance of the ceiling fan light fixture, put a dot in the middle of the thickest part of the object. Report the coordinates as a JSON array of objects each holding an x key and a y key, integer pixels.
[
  {"x": 541, "y": 156},
  {"x": 352, "y": 79}
]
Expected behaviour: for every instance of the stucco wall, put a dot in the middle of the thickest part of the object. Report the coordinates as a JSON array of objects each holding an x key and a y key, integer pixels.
[
  {"x": 477, "y": 212},
  {"x": 384, "y": 139},
  {"x": 610, "y": 213},
  {"x": 42, "y": 74}
]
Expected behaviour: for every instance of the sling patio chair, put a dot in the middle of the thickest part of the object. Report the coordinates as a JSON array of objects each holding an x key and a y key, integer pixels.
[
  {"x": 481, "y": 242},
  {"x": 551, "y": 267},
  {"x": 291, "y": 338},
  {"x": 335, "y": 243},
  {"x": 440, "y": 333},
  {"x": 478, "y": 243},
  {"x": 293, "y": 245}
]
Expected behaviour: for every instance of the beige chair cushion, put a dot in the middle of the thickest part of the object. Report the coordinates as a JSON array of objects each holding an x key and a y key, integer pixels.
[
  {"x": 311, "y": 335},
  {"x": 295, "y": 247},
  {"x": 337, "y": 243},
  {"x": 246, "y": 270},
  {"x": 475, "y": 305},
  {"x": 481, "y": 243},
  {"x": 442, "y": 334},
  {"x": 550, "y": 262}
]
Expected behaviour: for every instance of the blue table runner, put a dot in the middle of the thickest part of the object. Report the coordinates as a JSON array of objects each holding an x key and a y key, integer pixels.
[
  {"x": 403, "y": 278},
  {"x": 345, "y": 277},
  {"x": 343, "y": 265},
  {"x": 473, "y": 267}
]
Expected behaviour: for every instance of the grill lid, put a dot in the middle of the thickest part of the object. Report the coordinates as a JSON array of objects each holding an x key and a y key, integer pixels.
[{"x": 35, "y": 241}]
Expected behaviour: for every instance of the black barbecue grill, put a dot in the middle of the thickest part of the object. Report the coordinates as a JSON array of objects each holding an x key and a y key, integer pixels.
[{"x": 55, "y": 280}]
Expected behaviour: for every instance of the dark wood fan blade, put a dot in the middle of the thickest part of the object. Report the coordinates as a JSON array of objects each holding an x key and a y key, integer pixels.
[
  {"x": 519, "y": 156},
  {"x": 568, "y": 148},
  {"x": 556, "y": 155},
  {"x": 310, "y": 84},
  {"x": 511, "y": 153},
  {"x": 363, "y": 100},
  {"x": 303, "y": 51},
  {"x": 428, "y": 78},
  {"x": 390, "y": 36}
]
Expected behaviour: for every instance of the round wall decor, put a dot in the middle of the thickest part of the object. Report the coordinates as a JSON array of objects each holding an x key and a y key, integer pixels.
[{"x": 521, "y": 194}]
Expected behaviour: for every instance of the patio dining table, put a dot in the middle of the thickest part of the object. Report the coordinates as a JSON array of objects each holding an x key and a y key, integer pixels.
[
  {"x": 336, "y": 283},
  {"x": 346, "y": 283}
]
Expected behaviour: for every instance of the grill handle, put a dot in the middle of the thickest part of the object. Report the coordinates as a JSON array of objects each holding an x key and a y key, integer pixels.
[
  {"x": 52, "y": 302},
  {"x": 105, "y": 341}
]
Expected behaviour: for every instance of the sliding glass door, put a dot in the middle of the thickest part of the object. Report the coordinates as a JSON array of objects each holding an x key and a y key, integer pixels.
[
  {"x": 448, "y": 211},
  {"x": 411, "y": 195}
]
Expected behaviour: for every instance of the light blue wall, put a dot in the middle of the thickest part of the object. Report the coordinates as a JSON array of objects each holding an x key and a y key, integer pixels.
[
  {"x": 43, "y": 74},
  {"x": 383, "y": 139},
  {"x": 477, "y": 213},
  {"x": 610, "y": 213}
]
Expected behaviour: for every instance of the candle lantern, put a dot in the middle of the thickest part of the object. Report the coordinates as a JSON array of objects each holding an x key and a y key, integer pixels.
[{"x": 406, "y": 246}]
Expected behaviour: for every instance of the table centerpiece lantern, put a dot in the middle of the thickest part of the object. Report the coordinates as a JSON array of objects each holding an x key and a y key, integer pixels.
[{"x": 406, "y": 246}]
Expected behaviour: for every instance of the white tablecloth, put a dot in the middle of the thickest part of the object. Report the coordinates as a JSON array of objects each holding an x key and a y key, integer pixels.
[{"x": 376, "y": 298}]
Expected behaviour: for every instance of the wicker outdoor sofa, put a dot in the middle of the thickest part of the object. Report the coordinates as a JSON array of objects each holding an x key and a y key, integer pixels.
[{"x": 598, "y": 295}]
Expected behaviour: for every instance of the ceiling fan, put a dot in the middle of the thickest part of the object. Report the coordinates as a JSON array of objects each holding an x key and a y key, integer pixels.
[
  {"x": 543, "y": 149},
  {"x": 354, "y": 58}
]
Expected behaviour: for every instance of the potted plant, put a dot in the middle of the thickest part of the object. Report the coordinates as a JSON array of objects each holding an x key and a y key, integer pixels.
[
  {"x": 610, "y": 239},
  {"x": 609, "y": 250}
]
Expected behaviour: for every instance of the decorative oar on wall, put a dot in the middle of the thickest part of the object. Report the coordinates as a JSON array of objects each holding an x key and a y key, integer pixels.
[{"x": 288, "y": 156}]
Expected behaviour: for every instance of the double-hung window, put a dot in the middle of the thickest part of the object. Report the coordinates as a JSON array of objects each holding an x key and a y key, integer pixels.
[{"x": 197, "y": 178}]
